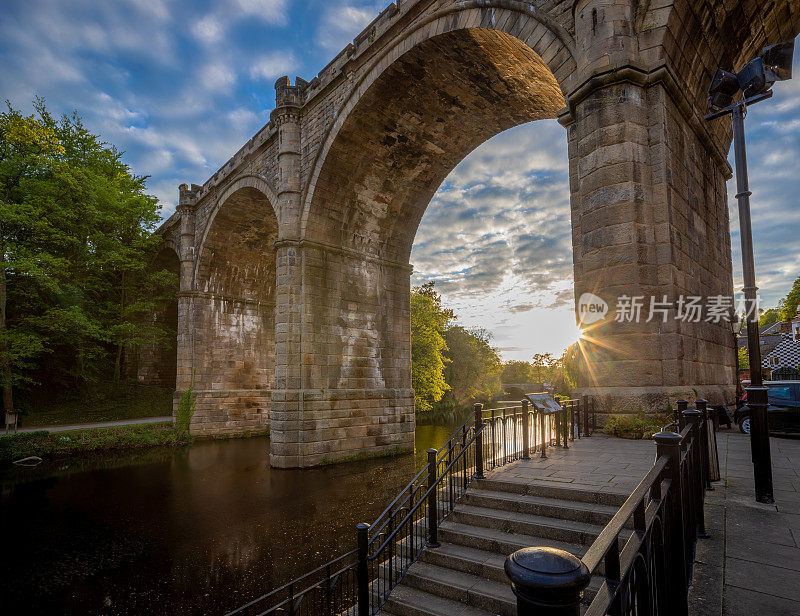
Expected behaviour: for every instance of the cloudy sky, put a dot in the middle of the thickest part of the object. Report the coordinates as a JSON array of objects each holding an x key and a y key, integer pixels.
[{"x": 180, "y": 86}]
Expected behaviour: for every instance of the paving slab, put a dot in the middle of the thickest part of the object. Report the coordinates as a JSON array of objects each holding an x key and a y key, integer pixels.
[{"x": 750, "y": 565}]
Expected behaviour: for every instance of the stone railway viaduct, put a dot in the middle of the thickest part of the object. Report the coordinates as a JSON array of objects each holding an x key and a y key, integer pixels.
[{"x": 293, "y": 308}]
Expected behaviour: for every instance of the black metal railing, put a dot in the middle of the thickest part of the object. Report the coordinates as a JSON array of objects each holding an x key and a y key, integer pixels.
[
  {"x": 645, "y": 553},
  {"x": 358, "y": 583}
]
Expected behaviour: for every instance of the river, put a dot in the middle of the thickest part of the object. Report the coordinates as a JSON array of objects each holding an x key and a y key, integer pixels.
[{"x": 199, "y": 530}]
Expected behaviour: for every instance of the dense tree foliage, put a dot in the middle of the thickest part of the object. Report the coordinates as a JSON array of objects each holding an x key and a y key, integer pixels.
[
  {"x": 448, "y": 359},
  {"x": 542, "y": 366},
  {"x": 769, "y": 317},
  {"x": 516, "y": 371},
  {"x": 429, "y": 321},
  {"x": 473, "y": 365},
  {"x": 790, "y": 303},
  {"x": 76, "y": 244}
]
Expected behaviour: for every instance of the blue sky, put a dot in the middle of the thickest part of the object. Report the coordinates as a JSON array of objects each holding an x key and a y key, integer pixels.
[{"x": 180, "y": 86}]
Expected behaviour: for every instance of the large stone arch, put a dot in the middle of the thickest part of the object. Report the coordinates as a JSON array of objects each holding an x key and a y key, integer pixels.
[
  {"x": 527, "y": 28},
  {"x": 232, "y": 310}
]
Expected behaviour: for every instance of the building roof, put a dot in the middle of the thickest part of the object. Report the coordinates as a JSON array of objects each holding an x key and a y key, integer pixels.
[{"x": 787, "y": 352}]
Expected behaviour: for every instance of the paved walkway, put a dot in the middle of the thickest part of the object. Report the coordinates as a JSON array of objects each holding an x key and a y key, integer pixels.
[
  {"x": 99, "y": 424},
  {"x": 751, "y": 564},
  {"x": 598, "y": 463}
]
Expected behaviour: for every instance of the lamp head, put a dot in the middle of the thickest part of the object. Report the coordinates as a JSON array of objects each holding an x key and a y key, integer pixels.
[
  {"x": 724, "y": 87},
  {"x": 753, "y": 78},
  {"x": 778, "y": 60}
]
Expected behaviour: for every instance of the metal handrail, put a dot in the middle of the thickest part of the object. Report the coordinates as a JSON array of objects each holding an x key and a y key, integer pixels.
[
  {"x": 294, "y": 582},
  {"x": 597, "y": 551},
  {"x": 424, "y": 497}
]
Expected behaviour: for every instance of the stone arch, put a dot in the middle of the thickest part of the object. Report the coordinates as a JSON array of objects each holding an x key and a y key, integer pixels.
[
  {"x": 233, "y": 305},
  {"x": 256, "y": 182},
  {"x": 442, "y": 90},
  {"x": 548, "y": 40}
]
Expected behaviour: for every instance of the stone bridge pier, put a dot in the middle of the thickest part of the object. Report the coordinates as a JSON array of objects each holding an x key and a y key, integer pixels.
[{"x": 293, "y": 310}]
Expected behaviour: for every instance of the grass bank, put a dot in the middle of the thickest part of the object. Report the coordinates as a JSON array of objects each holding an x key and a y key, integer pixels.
[
  {"x": 639, "y": 426},
  {"x": 75, "y": 442}
]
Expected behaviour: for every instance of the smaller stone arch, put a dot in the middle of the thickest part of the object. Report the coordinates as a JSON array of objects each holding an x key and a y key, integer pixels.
[
  {"x": 255, "y": 182},
  {"x": 232, "y": 314}
]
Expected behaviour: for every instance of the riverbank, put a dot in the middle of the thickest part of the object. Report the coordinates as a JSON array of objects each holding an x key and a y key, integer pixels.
[
  {"x": 99, "y": 403},
  {"x": 97, "y": 440}
]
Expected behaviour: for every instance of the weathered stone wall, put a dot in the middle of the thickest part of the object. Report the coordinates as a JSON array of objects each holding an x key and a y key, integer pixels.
[
  {"x": 350, "y": 160},
  {"x": 348, "y": 388}
]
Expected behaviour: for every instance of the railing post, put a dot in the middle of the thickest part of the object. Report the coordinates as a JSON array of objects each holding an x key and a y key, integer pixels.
[
  {"x": 362, "y": 572},
  {"x": 543, "y": 421},
  {"x": 693, "y": 419},
  {"x": 558, "y": 421},
  {"x": 572, "y": 408},
  {"x": 526, "y": 454},
  {"x": 478, "y": 408},
  {"x": 585, "y": 406},
  {"x": 669, "y": 444},
  {"x": 682, "y": 405},
  {"x": 702, "y": 406},
  {"x": 547, "y": 581},
  {"x": 594, "y": 416},
  {"x": 494, "y": 440},
  {"x": 433, "y": 518}
]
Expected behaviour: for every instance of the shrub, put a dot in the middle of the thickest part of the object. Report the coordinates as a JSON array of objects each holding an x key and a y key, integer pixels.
[
  {"x": 186, "y": 407},
  {"x": 639, "y": 426}
]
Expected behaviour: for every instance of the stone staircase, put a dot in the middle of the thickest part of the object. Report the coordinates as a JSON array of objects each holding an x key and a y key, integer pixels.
[{"x": 465, "y": 576}]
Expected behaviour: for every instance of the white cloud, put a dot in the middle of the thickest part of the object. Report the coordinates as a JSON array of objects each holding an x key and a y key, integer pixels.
[
  {"x": 214, "y": 27},
  {"x": 208, "y": 29},
  {"x": 496, "y": 238},
  {"x": 271, "y": 11},
  {"x": 271, "y": 66},
  {"x": 217, "y": 77},
  {"x": 341, "y": 22}
]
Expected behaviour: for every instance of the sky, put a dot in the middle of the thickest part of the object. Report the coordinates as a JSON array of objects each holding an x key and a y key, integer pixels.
[{"x": 180, "y": 85}]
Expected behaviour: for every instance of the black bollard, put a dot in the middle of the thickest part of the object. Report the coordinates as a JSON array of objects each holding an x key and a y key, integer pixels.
[{"x": 547, "y": 581}]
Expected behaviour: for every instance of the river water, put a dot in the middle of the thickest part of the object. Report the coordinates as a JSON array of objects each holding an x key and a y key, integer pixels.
[{"x": 200, "y": 530}]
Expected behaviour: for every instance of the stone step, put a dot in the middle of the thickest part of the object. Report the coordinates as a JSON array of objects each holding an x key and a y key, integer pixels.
[
  {"x": 548, "y": 490},
  {"x": 485, "y": 565},
  {"x": 491, "y": 596},
  {"x": 498, "y": 541},
  {"x": 512, "y": 522},
  {"x": 406, "y": 600},
  {"x": 579, "y": 511}
]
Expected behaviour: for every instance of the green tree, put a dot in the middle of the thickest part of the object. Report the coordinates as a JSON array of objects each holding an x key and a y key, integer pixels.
[
  {"x": 28, "y": 148},
  {"x": 542, "y": 363},
  {"x": 744, "y": 358},
  {"x": 76, "y": 243},
  {"x": 789, "y": 304},
  {"x": 769, "y": 317},
  {"x": 516, "y": 371},
  {"x": 473, "y": 365},
  {"x": 429, "y": 320}
]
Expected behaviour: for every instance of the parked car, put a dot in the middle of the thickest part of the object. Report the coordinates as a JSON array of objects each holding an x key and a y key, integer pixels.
[{"x": 783, "y": 411}]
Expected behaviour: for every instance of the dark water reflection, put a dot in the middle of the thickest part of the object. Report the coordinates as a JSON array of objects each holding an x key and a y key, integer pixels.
[{"x": 198, "y": 531}]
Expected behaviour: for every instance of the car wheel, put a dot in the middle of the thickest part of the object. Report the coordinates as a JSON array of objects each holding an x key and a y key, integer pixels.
[{"x": 744, "y": 424}]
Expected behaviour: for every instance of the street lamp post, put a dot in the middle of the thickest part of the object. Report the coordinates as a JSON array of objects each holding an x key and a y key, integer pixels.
[{"x": 755, "y": 81}]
